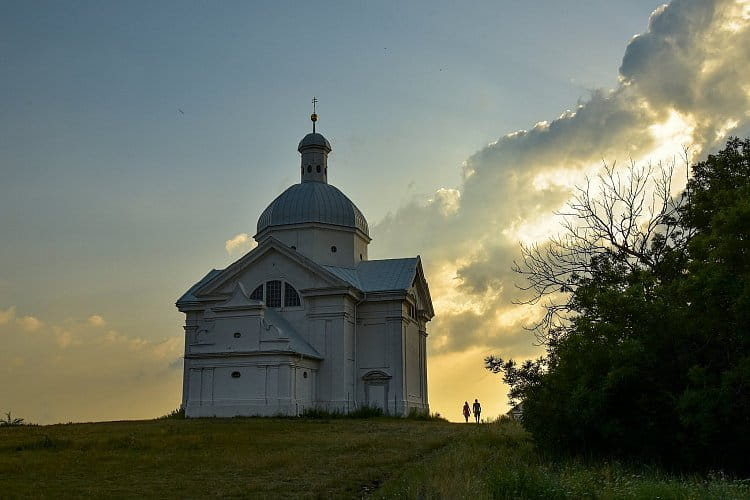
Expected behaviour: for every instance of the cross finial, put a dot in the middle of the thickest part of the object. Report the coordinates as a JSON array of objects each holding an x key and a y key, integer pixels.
[{"x": 314, "y": 116}]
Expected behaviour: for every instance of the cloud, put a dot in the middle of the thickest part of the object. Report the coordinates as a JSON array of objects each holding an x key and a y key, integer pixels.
[
  {"x": 682, "y": 82},
  {"x": 63, "y": 337},
  {"x": 7, "y": 315},
  {"x": 96, "y": 320},
  {"x": 114, "y": 375},
  {"x": 29, "y": 323},
  {"x": 240, "y": 243}
]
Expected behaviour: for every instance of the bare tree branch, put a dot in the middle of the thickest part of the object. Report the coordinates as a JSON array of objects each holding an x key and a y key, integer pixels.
[{"x": 630, "y": 214}]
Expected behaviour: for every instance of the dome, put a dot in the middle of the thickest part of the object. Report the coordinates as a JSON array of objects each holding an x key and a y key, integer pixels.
[
  {"x": 312, "y": 202},
  {"x": 314, "y": 140}
]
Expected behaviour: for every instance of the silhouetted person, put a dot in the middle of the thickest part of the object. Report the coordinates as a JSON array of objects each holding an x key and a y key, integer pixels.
[
  {"x": 477, "y": 409},
  {"x": 467, "y": 411}
]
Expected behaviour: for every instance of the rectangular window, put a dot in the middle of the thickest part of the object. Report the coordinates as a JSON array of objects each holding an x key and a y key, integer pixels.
[{"x": 273, "y": 294}]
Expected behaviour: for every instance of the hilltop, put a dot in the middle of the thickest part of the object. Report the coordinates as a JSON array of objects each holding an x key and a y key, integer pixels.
[{"x": 314, "y": 458}]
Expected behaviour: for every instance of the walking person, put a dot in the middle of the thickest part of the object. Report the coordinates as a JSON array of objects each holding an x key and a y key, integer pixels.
[
  {"x": 477, "y": 409},
  {"x": 467, "y": 411}
]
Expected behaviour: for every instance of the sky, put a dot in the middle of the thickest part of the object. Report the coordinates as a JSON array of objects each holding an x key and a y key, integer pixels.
[{"x": 140, "y": 141}]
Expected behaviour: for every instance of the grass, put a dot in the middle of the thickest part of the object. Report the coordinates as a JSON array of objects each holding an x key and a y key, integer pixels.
[
  {"x": 315, "y": 458},
  {"x": 499, "y": 461}
]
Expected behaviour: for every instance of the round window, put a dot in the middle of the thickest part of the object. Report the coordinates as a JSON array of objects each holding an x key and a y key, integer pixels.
[
  {"x": 318, "y": 169},
  {"x": 333, "y": 249},
  {"x": 309, "y": 169},
  {"x": 304, "y": 374}
]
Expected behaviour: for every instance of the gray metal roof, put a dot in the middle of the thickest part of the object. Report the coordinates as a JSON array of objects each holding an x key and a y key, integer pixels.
[
  {"x": 312, "y": 202},
  {"x": 188, "y": 296},
  {"x": 296, "y": 342},
  {"x": 314, "y": 140},
  {"x": 379, "y": 275}
]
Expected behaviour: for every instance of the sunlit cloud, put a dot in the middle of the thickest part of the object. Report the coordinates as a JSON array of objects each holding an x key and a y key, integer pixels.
[
  {"x": 682, "y": 88},
  {"x": 126, "y": 374},
  {"x": 29, "y": 323},
  {"x": 240, "y": 243},
  {"x": 96, "y": 320},
  {"x": 7, "y": 315}
]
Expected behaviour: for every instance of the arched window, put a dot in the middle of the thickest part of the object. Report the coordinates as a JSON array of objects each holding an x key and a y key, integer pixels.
[
  {"x": 273, "y": 297},
  {"x": 273, "y": 293},
  {"x": 291, "y": 297}
]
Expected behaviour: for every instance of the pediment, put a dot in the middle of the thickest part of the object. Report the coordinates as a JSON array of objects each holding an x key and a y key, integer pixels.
[{"x": 261, "y": 261}]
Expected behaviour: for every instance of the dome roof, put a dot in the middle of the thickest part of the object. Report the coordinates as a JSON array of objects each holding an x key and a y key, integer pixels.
[
  {"x": 312, "y": 202},
  {"x": 314, "y": 140}
]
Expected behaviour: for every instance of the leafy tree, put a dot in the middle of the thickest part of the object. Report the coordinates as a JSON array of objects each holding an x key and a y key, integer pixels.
[{"x": 651, "y": 358}]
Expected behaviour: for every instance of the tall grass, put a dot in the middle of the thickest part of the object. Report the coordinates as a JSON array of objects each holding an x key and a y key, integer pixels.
[
  {"x": 360, "y": 413},
  {"x": 499, "y": 461}
]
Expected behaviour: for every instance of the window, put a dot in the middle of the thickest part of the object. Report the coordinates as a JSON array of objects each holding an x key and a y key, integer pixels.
[
  {"x": 273, "y": 293},
  {"x": 291, "y": 297},
  {"x": 237, "y": 335},
  {"x": 236, "y": 374},
  {"x": 318, "y": 168},
  {"x": 257, "y": 293},
  {"x": 333, "y": 249},
  {"x": 309, "y": 169},
  {"x": 273, "y": 297},
  {"x": 294, "y": 247},
  {"x": 412, "y": 312},
  {"x": 304, "y": 374},
  {"x": 360, "y": 256}
]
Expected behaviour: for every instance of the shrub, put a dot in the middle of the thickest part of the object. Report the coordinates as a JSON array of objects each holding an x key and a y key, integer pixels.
[
  {"x": 177, "y": 414},
  {"x": 9, "y": 420}
]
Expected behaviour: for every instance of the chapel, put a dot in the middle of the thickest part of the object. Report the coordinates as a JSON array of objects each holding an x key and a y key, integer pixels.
[{"x": 305, "y": 320}]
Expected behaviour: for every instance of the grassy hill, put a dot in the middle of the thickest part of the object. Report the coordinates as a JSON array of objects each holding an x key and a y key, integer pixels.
[{"x": 315, "y": 458}]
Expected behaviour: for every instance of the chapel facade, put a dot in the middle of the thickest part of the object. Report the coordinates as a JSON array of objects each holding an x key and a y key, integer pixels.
[{"x": 305, "y": 319}]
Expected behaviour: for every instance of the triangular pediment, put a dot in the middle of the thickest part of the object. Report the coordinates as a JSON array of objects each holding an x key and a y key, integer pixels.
[{"x": 219, "y": 283}]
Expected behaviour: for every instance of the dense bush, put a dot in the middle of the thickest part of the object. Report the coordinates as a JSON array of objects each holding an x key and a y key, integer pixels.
[{"x": 654, "y": 361}]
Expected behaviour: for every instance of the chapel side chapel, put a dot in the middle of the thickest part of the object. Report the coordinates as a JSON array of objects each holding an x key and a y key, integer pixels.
[{"x": 305, "y": 319}]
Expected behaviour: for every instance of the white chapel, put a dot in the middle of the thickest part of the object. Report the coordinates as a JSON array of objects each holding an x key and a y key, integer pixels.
[{"x": 305, "y": 319}]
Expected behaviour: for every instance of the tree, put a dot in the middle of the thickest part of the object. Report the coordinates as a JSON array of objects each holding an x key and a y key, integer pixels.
[
  {"x": 630, "y": 217},
  {"x": 648, "y": 348}
]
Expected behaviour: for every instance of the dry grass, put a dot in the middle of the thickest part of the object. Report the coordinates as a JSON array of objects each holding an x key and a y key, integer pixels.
[
  {"x": 197, "y": 458},
  {"x": 302, "y": 458}
]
